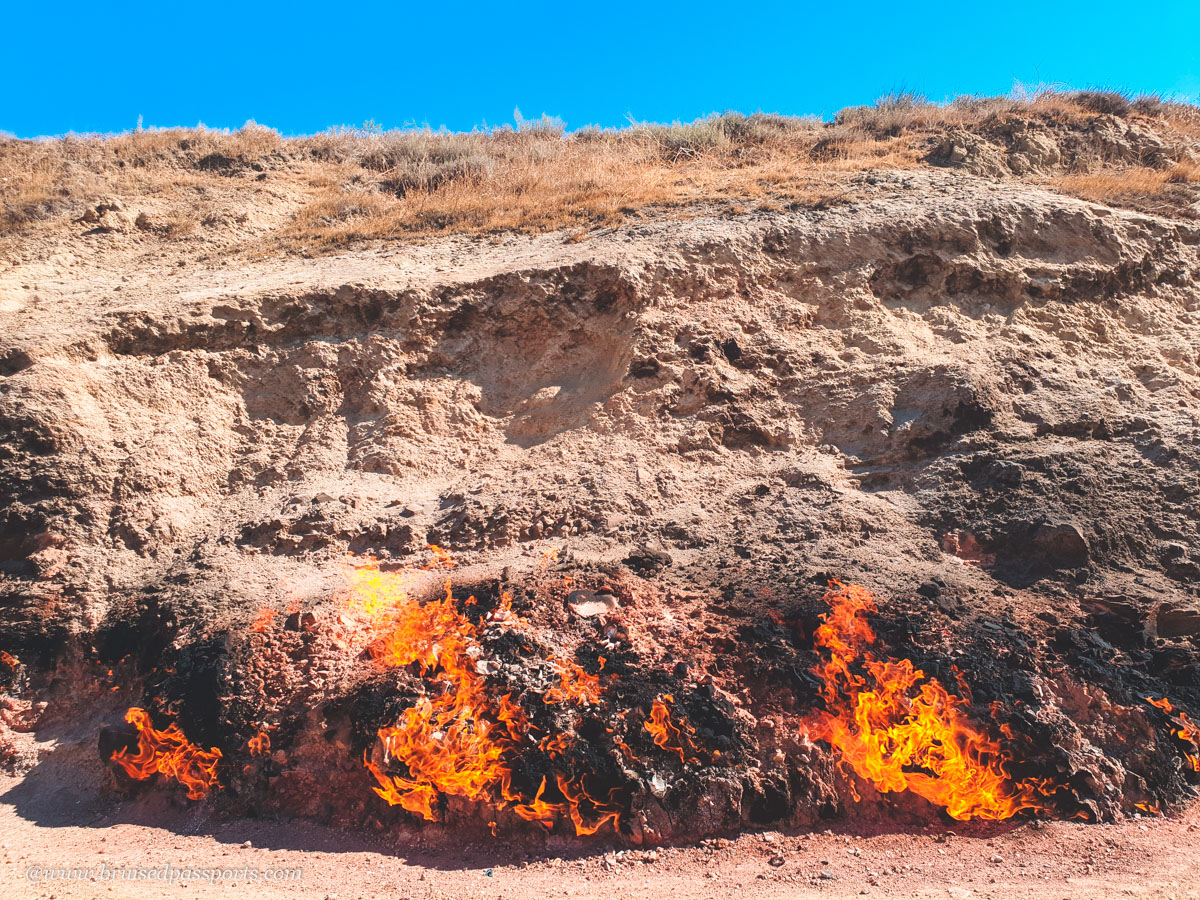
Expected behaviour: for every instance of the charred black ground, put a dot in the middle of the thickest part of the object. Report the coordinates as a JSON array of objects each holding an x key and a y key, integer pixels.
[{"x": 1072, "y": 698}]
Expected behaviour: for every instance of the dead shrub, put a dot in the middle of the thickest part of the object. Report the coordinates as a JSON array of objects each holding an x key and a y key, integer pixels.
[{"x": 1107, "y": 103}]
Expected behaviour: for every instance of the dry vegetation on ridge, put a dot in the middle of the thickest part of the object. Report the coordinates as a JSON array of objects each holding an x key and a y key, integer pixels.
[{"x": 253, "y": 192}]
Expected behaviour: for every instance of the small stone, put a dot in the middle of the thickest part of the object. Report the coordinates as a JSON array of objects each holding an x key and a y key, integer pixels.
[
  {"x": 247, "y": 844},
  {"x": 776, "y": 861},
  {"x": 996, "y": 858},
  {"x": 588, "y": 605}
]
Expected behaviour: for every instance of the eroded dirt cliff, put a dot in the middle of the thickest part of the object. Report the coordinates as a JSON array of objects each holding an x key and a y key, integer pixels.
[{"x": 977, "y": 399}]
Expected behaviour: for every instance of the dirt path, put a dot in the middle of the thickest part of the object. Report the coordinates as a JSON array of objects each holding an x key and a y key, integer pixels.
[{"x": 1138, "y": 858}]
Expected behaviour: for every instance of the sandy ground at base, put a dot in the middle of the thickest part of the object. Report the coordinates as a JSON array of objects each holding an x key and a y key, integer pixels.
[{"x": 1136, "y": 858}]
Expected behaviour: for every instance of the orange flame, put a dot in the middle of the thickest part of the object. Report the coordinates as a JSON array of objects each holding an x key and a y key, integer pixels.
[
  {"x": 902, "y": 730},
  {"x": 444, "y": 752},
  {"x": 666, "y": 733},
  {"x": 604, "y": 812},
  {"x": 260, "y": 744},
  {"x": 575, "y": 685},
  {"x": 446, "y": 743},
  {"x": 513, "y": 718},
  {"x": 262, "y": 622},
  {"x": 1183, "y": 728},
  {"x": 456, "y": 740},
  {"x": 168, "y": 753},
  {"x": 441, "y": 558},
  {"x": 556, "y": 745},
  {"x": 537, "y": 810}
]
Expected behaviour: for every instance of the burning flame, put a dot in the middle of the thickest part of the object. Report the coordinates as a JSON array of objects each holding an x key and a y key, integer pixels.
[
  {"x": 262, "y": 622},
  {"x": 555, "y": 745},
  {"x": 666, "y": 733},
  {"x": 456, "y": 739},
  {"x": 512, "y": 717},
  {"x": 1183, "y": 728},
  {"x": 536, "y": 810},
  {"x": 446, "y": 741},
  {"x": 902, "y": 730},
  {"x": 587, "y": 813},
  {"x": 441, "y": 558},
  {"x": 260, "y": 744},
  {"x": 576, "y": 685},
  {"x": 168, "y": 753},
  {"x": 580, "y": 802}
]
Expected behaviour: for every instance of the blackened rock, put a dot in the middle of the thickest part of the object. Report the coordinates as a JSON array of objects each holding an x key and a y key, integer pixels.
[
  {"x": 645, "y": 560},
  {"x": 114, "y": 738}
]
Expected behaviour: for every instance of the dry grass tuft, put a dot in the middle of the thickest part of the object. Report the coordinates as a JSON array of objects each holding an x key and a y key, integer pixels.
[
  {"x": 510, "y": 181},
  {"x": 251, "y": 191},
  {"x": 1139, "y": 187}
]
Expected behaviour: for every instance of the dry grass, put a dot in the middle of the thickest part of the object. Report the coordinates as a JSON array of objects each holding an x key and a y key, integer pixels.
[
  {"x": 513, "y": 182},
  {"x": 1135, "y": 186},
  {"x": 252, "y": 191}
]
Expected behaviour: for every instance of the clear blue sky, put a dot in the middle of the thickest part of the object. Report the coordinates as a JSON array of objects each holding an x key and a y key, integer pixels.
[{"x": 303, "y": 66}]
